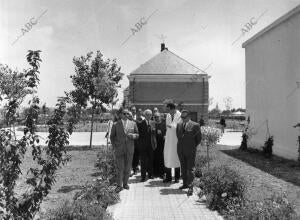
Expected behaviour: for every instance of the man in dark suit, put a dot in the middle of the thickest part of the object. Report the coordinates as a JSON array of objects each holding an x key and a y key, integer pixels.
[
  {"x": 123, "y": 134},
  {"x": 158, "y": 161},
  {"x": 189, "y": 137},
  {"x": 147, "y": 144},
  {"x": 135, "y": 160}
]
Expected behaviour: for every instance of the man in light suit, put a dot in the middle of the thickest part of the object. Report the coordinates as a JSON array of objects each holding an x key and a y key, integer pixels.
[
  {"x": 189, "y": 137},
  {"x": 123, "y": 134}
]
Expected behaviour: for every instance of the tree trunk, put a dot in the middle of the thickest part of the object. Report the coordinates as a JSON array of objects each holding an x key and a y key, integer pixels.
[{"x": 92, "y": 126}]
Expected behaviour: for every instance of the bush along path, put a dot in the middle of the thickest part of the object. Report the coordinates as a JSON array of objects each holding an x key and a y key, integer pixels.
[{"x": 239, "y": 191}]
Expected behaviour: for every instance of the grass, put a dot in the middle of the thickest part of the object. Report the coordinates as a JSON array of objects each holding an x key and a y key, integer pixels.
[
  {"x": 70, "y": 178},
  {"x": 260, "y": 173},
  {"x": 231, "y": 124},
  {"x": 287, "y": 170}
]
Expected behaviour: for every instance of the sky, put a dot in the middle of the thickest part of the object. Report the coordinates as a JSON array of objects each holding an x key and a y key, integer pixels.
[{"x": 207, "y": 33}]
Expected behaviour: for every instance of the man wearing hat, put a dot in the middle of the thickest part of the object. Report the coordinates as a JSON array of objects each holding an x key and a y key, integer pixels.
[
  {"x": 189, "y": 137},
  {"x": 122, "y": 136}
]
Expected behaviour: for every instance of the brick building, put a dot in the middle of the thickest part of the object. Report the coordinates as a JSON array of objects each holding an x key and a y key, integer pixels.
[{"x": 168, "y": 76}]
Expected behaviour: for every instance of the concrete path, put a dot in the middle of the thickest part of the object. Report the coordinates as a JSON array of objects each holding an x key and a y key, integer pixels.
[
  {"x": 76, "y": 139},
  {"x": 231, "y": 139},
  {"x": 154, "y": 199}
]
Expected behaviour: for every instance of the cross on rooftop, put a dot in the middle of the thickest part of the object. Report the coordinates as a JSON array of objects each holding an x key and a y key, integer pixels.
[{"x": 162, "y": 37}]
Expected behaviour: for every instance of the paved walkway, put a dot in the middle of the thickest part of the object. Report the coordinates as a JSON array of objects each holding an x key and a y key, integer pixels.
[
  {"x": 154, "y": 199},
  {"x": 231, "y": 139}
]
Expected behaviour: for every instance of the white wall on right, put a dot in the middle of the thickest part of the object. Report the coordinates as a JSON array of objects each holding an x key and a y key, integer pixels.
[{"x": 272, "y": 70}]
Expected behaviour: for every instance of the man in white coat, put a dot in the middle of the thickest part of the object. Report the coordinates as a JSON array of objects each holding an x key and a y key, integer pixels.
[{"x": 170, "y": 149}]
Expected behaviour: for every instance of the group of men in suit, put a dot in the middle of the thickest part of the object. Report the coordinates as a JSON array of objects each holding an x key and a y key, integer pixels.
[{"x": 148, "y": 138}]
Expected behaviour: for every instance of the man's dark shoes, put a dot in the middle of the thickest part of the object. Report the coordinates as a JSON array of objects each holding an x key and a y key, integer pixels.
[
  {"x": 143, "y": 179},
  {"x": 150, "y": 177},
  {"x": 184, "y": 187},
  {"x": 161, "y": 176},
  {"x": 176, "y": 181},
  {"x": 118, "y": 189},
  {"x": 167, "y": 181},
  {"x": 126, "y": 186},
  {"x": 190, "y": 192}
]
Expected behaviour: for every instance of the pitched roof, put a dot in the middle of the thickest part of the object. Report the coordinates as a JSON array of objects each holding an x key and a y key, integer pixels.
[
  {"x": 277, "y": 22},
  {"x": 166, "y": 62}
]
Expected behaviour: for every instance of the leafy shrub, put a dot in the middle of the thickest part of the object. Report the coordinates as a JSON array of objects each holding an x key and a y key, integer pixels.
[
  {"x": 244, "y": 145},
  {"x": 210, "y": 135},
  {"x": 78, "y": 210},
  {"x": 100, "y": 192},
  {"x": 106, "y": 163},
  {"x": 275, "y": 208},
  {"x": 234, "y": 125},
  {"x": 268, "y": 147},
  {"x": 200, "y": 164},
  {"x": 223, "y": 187}
]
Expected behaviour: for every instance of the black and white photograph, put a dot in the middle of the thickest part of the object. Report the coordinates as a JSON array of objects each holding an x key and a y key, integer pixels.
[{"x": 150, "y": 110}]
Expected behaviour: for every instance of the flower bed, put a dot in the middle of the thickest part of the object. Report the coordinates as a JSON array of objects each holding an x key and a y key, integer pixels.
[
  {"x": 223, "y": 188},
  {"x": 275, "y": 208}
]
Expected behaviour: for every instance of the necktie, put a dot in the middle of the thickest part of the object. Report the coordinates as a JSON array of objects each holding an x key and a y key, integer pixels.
[{"x": 184, "y": 126}]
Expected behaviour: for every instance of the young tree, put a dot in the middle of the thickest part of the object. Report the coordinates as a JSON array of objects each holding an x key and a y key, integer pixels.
[
  {"x": 13, "y": 89},
  {"x": 228, "y": 103},
  {"x": 45, "y": 111},
  {"x": 95, "y": 81},
  {"x": 45, "y": 160}
]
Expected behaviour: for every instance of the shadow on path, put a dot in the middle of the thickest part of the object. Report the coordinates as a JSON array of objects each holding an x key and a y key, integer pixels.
[
  {"x": 134, "y": 179},
  {"x": 67, "y": 189},
  {"x": 96, "y": 174},
  {"x": 171, "y": 191},
  {"x": 158, "y": 183}
]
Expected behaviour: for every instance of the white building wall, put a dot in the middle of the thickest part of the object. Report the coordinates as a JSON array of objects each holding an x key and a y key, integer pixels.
[{"x": 272, "y": 70}]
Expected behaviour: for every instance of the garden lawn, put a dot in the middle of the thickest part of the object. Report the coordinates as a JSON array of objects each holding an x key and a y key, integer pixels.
[
  {"x": 261, "y": 181},
  {"x": 70, "y": 178}
]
